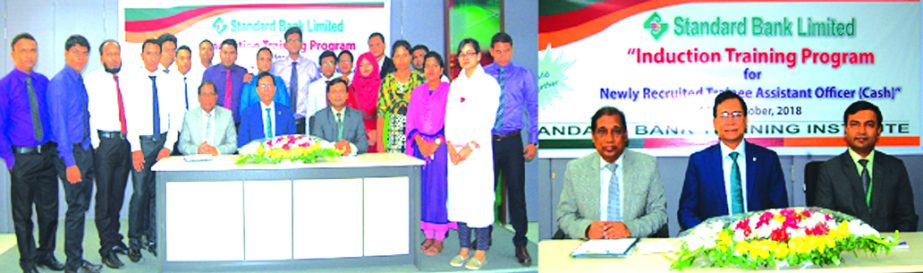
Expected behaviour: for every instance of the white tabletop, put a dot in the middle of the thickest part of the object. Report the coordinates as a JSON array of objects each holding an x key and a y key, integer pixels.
[{"x": 226, "y": 162}]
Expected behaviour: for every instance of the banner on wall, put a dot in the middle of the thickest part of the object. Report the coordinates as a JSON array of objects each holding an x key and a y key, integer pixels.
[
  {"x": 798, "y": 65},
  {"x": 334, "y": 25}
]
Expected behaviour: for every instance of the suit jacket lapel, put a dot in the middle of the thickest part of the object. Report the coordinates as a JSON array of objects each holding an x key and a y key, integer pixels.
[
  {"x": 753, "y": 196},
  {"x": 629, "y": 181},
  {"x": 717, "y": 183},
  {"x": 591, "y": 183},
  {"x": 878, "y": 179},
  {"x": 854, "y": 182}
]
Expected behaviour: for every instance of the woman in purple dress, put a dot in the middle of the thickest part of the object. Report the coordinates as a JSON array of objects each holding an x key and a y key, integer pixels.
[{"x": 426, "y": 140}]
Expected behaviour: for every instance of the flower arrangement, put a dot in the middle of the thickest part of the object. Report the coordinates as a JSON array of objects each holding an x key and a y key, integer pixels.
[
  {"x": 779, "y": 238},
  {"x": 288, "y": 148}
]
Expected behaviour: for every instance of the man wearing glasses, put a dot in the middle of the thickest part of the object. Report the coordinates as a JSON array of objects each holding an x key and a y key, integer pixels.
[
  {"x": 733, "y": 176},
  {"x": 297, "y": 72},
  {"x": 318, "y": 100},
  {"x": 266, "y": 118},
  {"x": 613, "y": 193}
]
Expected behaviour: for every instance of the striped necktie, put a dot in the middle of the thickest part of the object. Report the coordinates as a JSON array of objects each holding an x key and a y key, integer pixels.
[
  {"x": 737, "y": 196},
  {"x": 615, "y": 203}
]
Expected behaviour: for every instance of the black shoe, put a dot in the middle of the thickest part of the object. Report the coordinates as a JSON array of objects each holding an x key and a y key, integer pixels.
[
  {"x": 152, "y": 248},
  {"x": 134, "y": 255},
  {"x": 51, "y": 263},
  {"x": 85, "y": 267},
  {"x": 120, "y": 249},
  {"x": 522, "y": 255},
  {"x": 111, "y": 260},
  {"x": 29, "y": 269}
]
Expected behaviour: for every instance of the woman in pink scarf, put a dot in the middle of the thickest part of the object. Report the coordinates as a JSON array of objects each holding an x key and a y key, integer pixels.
[
  {"x": 426, "y": 140},
  {"x": 363, "y": 95}
]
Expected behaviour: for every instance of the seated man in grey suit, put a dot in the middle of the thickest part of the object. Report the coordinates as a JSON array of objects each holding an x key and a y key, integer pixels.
[
  {"x": 866, "y": 183},
  {"x": 613, "y": 193},
  {"x": 340, "y": 124},
  {"x": 208, "y": 129}
]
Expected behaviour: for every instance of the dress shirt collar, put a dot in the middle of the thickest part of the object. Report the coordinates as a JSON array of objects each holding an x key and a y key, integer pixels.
[
  {"x": 301, "y": 60},
  {"x": 726, "y": 151},
  {"x": 21, "y": 74},
  {"x": 271, "y": 106},
  {"x": 603, "y": 163},
  {"x": 72, "y": 74},
  {"x": 335, "y": 112}
]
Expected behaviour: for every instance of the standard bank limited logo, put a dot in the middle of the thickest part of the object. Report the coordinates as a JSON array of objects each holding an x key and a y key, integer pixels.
[
  {"x": 219, "y": 25},
  {"x": 655, "y": 25}
]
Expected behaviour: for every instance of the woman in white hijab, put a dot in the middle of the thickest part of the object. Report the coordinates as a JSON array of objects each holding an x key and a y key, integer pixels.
[{"x": 471, "y": 111}]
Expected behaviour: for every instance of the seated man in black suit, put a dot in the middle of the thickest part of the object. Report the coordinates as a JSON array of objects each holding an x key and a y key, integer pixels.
[{"x": 866, "y": 183}]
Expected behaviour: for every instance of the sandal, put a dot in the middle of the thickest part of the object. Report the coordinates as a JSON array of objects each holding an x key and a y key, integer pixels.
[{"x": 426, "y": 244}]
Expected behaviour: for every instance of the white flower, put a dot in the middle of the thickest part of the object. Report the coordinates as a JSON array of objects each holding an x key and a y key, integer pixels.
[{"x": 859, "y": 228}]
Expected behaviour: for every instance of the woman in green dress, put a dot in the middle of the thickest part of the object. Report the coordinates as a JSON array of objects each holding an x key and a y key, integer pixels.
[{"x": 394, "y": 96}]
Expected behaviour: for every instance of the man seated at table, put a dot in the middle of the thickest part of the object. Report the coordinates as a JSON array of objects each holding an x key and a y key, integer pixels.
[
  {"x": 866, "y": 183},
  {"x": 613, "y": 193},
  {"x": 208, "y": 129},
  {"x": 265, "y": 119},
  {"x": 340, "y": 124},
  {"x": 732, "y": 176}
]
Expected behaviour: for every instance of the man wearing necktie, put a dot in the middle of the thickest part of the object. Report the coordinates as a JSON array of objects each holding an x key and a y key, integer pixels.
[
  {"x": 866, "y": 183},
  {"x": 733, "y": 176},
  {"x": 266, "y": 118},
  {"x": 228, "y": 78},
  {"x": 298, "y": 72},
  {"x": 208, "y": 129},
  {"x": 612, "y": 193},
  {"x": 70, "y": 118},
  {"x": 190, "y": 79},
  {"x": 154, "y": 112},
  {"x": 28, "y": 151},
  {"x": 518, "y": 95},
  {"x": 339, "y": 124},
  {"x": 112, "y": 156}
]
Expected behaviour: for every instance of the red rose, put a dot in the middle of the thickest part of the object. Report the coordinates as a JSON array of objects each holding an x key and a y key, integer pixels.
[{"x": 462, "y": 99}]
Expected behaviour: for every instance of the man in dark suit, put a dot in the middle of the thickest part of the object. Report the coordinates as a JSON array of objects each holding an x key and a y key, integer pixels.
[
  {"x": 339, "y": 124},
  {"x": 866, "y": 183},
  {"x": 733, "y": 176},
  {"x": 377, "y": 46},
  {"x": 265, "y": 119}
]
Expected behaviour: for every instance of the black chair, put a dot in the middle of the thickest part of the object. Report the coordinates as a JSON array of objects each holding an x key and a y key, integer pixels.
[{"x": 811, "y": 171}]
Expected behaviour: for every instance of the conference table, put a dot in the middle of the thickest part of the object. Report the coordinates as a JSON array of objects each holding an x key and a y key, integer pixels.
[
  {"x": 554, "y": 256},
  {"x": 219, "y": 216}
]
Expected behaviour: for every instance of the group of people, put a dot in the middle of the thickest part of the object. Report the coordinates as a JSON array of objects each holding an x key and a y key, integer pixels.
[
  {"x": 617, "y": 193},
  {"x": 104, "y": 125}
]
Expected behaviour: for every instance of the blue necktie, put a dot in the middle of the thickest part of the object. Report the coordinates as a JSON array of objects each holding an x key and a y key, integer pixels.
[
  {"x": 615, "y": 203},
  {"x": 737, "y": 196},
  {"x": 268, "y": 129},
  {"x": 156, "y": 107},
  {"x": 293, "y": 87},
  {"x": 186, "y": 91},
  {"x": 498, "y": 123}
]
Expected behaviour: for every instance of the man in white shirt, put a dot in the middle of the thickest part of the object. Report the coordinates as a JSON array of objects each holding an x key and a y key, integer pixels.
[
  {"x": 154, "y": 111},
  {"x": 297, "y": 72},
  {"x": 112, "y": 155},
  {"x": 318, "y": 100},
  {"x": 206, "y": 54},
  {"x": 191, "y": 77},
  {"x": 208, "y": 129}
]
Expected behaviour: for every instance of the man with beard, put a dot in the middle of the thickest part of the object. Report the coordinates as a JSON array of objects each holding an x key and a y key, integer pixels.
[
  {"x": 866, "y": 183},
  {"x": 108, "y": 130}
]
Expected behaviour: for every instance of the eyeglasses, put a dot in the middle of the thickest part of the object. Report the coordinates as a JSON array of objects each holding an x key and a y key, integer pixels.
[
  {"x": 328, "y": 63},
  {"x": 346, "y": 61},
  {"x": 469, "y": 54},
  {"x": 266, "y": 85},
  {"x": 602, "y": 131},
  {"x": 292, "y": 40},
  {"x": 734, "y": 115}
]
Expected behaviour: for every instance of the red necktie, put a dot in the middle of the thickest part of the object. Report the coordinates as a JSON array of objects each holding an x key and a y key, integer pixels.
[
  {"x": 227, "y": 90},
  {"x": 118, "y": 91}
]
